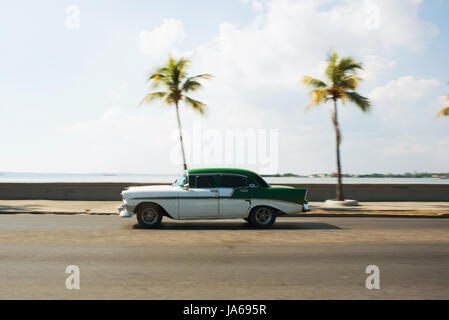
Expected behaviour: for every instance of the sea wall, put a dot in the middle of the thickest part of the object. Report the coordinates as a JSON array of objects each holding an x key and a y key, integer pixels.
[{"x": 317, "y": 191}]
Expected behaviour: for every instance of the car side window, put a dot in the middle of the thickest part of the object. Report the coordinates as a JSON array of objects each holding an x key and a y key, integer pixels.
[
  {"x": 233, "y": 181},
  {"x": 202, "y": 181}
]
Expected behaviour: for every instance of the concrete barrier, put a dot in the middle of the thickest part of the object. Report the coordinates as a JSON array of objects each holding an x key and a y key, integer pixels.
[
  {"x": 317, "y": 191},
  {"x": 379, "y": 192}
]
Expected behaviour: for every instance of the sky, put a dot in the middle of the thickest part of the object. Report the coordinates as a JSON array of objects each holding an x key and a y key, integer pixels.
[{"x": 72, "y": 74}]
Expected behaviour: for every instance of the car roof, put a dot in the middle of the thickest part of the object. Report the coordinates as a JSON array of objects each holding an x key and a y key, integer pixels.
[{"x": 244, "y": 172}]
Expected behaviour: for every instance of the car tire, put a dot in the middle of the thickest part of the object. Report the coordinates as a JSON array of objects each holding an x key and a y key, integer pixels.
[
  {"x": 262, "y": 217},
  {"x": 149, "y": 216}
]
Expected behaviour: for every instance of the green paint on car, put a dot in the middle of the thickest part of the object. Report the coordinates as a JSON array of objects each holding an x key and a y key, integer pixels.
[{"x": 261, "y": 190}]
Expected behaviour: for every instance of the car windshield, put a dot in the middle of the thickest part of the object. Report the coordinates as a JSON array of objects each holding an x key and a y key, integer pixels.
[{"x": 181, "y": 181}]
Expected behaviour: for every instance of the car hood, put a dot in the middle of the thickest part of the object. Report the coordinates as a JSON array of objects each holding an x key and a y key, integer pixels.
[{"x": 151, "y": 191}]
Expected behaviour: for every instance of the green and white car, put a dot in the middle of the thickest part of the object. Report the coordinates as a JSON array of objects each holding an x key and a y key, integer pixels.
[{"x": 213, "y": 194}]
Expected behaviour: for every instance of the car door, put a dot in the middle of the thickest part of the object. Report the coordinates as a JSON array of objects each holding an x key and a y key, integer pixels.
[
  {"x": 200, "y": 200},
  {"x": 229, "y": 205}
]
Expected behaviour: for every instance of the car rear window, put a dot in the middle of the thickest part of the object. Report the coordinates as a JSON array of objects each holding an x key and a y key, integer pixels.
[
  {"x": 233, "y": 181},
  {"x": 259, "y": 182}
]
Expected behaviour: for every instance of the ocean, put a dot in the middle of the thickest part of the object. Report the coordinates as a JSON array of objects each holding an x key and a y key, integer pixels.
[{"x": 168, "y": 178}]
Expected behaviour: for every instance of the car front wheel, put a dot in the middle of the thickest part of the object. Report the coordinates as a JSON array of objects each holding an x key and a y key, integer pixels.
[
  {"x": 262, "y": 217},
  {"x": 149, "y": 216}
]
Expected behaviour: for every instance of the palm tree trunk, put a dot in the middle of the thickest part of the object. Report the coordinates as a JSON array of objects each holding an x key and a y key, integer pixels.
[
  {"x": 180, "y": 137},
  {"x": 339, "y": 191}
]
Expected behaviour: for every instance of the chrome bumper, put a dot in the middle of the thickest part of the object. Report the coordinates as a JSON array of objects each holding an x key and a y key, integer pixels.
[
  {"x": 305, "y": 207},
  {"x": 124, "y": 211}
]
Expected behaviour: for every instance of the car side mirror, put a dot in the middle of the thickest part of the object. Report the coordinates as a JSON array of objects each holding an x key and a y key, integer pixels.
[{"x": 186, "y": 186}]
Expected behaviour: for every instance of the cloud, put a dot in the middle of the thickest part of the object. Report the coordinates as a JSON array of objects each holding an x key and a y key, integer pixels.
[
  {"x": 121, "y": 136},
  {"x": 404, "y": 102},
  {"x": 406, "y": 148},
  {"x": 400, "y": 25},
  {"x": 257, "y": 5},
  {"x": 257, "y": 72},
  {"x": 405, "y": 88},
  {"x": 161, "y": 40},
  {"x": 130, "y": 127},
  {"x": 259, "y": 66},
  {"x": 125, "y": 140},
  {"x": 444, "y": 100},
  {"x": 291, "y": 39},
  {"x": 376, "y": 67}
]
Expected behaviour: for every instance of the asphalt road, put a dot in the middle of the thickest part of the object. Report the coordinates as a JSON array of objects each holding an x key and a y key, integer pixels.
[{"x": 300, "y": 258}]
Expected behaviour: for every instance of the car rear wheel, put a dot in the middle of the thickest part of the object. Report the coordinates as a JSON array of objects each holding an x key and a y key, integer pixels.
[
  {"x": 262, "y": 217},
  {"x": 149, "y": 216}
]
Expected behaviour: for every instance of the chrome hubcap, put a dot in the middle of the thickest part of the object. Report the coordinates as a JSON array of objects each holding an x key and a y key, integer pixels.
[
  {"x": 263, "y": 215},
  {"x": 149, "y": 215}
]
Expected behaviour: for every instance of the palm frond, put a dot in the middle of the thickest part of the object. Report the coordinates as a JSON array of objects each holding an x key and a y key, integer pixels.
[
  {"x": 153, "y": 95},
  {"x": 349, "y": 82},
  {"x": 318, "y": 96},
  {"x": 180, "y": 70},
  {"x": 191, "y": 85},
  {"x": 347, "y": 64},
  {"x": 332, "y": 57},
  {"x": 170, "y": 63},
  {"x": 203, "y": 76},
  {"x": 195, "y": 104},
  {"x": 362, "y": 102},
  {"x": 332, "y": 70},
  {"x": 157, "y": 76},
  {"x": 157, "y": 79},
  {"x": 313, "y": 83},
  {"x": 171, "y": 97},
  {"x": 443, "y": 112}
]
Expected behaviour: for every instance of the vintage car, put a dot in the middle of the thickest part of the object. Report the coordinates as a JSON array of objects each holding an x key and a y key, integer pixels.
[{"x": 213, "y": 194}]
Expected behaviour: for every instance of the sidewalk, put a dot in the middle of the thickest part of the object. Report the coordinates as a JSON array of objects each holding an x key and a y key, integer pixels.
[
  {"x": 380, "y": 209},
  {"x": 431, "y": 209}
]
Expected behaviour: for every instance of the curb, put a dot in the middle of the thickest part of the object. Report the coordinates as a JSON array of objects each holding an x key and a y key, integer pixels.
[
  {"x": 60, "y": 213},
  {"x": 367, "y": 215}
]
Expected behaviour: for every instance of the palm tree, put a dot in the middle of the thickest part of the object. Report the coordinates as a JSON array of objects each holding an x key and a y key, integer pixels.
[
  {"x": 343, "y": 80},
  {"x": 173, "y": 76}
]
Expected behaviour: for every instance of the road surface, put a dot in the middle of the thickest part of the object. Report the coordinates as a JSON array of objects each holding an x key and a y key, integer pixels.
[{"x": 300, "y": 258}]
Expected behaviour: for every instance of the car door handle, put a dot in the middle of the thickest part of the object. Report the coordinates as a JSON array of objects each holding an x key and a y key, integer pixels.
[
  {"x": 214, "y": 190},
  {"x": 244, "y": 190}
]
